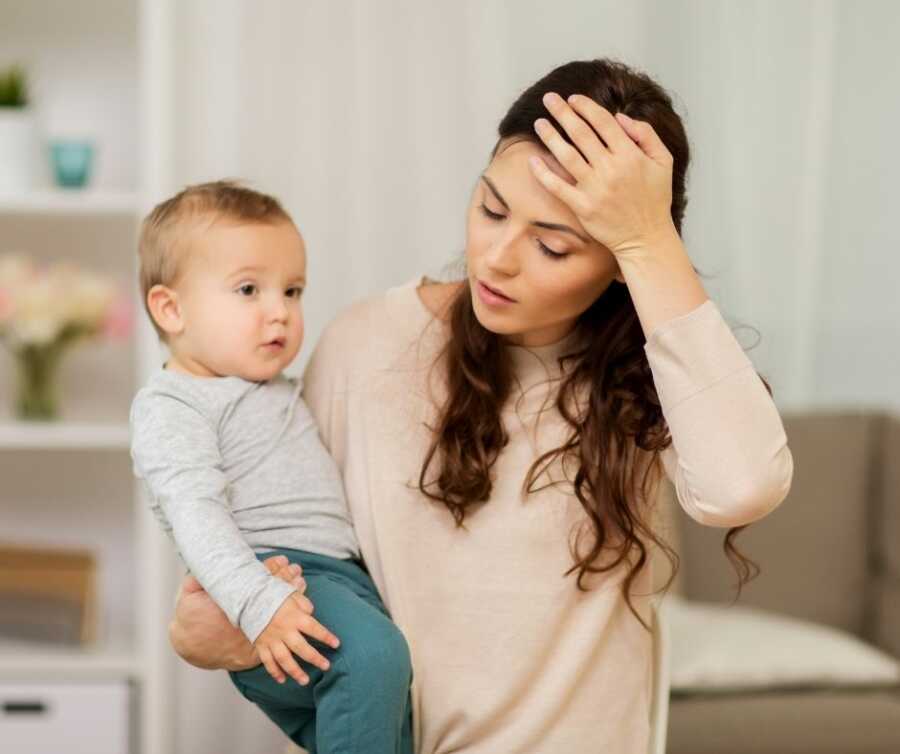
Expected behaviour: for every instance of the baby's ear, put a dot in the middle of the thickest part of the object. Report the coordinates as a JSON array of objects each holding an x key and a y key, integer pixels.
[{"x": 162, "y": 302}]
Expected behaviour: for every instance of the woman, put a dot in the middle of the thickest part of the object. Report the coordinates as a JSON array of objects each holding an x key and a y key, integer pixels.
[{"x": 502, "y": 439}]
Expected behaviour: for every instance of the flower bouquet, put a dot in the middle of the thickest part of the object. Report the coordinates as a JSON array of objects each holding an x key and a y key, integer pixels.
[{"x": 44, "y": 309}]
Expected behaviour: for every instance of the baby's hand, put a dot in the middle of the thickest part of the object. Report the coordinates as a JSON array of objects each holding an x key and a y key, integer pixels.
[
  {"x": 283, "y": 636},
  {"x": 282, "y": 568}
]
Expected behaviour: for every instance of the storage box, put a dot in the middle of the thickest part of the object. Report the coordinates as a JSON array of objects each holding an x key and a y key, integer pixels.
[
  {"x": 47, "y": 594},
  {"x": 51, "y": 718}
]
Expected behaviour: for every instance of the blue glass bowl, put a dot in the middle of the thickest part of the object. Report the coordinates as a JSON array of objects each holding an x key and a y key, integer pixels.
[{"x": 72, "y": 162}]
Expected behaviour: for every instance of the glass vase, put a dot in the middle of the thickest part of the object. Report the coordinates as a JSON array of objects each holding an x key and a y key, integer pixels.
[{"x": 37, "y": 397}]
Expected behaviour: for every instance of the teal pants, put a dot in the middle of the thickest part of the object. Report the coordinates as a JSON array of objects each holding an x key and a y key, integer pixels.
[{"x": 361, "y": 704}]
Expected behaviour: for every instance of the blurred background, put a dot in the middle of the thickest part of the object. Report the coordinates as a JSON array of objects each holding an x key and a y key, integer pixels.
[{"x": 371, "y": 120}]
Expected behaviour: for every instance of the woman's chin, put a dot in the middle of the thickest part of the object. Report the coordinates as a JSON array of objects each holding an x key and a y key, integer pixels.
[{"x": 494, "y": 322}]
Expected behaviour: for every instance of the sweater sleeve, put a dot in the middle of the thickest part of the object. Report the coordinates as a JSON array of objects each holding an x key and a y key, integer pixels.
[
  {"x": 729, "y": 459},
  {"x": 176, "y": 452}
]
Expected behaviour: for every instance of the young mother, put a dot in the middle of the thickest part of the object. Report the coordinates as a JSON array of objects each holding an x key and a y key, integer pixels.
[{"x": 502, "y": 438}]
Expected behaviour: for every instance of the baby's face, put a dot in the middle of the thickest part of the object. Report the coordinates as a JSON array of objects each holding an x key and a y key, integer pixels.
[{"x": 240, "y": 300}]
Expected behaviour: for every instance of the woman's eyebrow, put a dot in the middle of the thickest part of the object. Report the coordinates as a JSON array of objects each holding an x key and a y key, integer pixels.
[{"x": 538, "y": 223}]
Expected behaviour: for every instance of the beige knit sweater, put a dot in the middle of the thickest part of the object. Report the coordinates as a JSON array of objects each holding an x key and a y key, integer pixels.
[{"x": 508, "y": 656}]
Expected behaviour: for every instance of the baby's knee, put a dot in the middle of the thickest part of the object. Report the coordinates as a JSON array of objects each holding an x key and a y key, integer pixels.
[{"x": 381, "y": 655}]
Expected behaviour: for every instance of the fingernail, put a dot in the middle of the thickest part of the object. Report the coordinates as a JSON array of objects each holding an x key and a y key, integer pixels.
[{"x": 551, "y": 98}]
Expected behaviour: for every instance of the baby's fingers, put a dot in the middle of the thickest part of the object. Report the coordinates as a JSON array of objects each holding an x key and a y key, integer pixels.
[
  {"x": 270, "y": 665},
  {"x": 288, "y": 664},
  {"x": 312, "y": 628},
  {"x": 304, "y": 650}
]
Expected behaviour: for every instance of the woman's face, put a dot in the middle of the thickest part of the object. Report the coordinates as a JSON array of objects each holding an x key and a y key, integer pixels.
[{"x": 532, "y": 268}]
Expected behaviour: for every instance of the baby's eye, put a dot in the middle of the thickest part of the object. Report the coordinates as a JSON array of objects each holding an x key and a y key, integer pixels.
[
  {"x": 247, "y": 289},
  {"x": 294, "y": 292}
]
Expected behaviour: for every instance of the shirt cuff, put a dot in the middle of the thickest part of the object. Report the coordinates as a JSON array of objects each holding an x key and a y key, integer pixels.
[{"x": 263, "y": 607}]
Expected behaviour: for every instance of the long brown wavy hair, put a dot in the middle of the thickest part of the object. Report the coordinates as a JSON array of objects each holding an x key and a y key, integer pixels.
[{"x": 606, "y": 395}]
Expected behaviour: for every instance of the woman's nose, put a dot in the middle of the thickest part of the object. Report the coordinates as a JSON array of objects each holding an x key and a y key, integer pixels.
[{"x": 502, "y": 257}]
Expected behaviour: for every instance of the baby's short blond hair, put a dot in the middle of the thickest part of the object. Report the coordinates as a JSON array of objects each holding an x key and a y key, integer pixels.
[{"x": 162, "y": 246}]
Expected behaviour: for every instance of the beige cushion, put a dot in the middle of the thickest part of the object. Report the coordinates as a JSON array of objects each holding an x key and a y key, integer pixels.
[{"x": 723, "y": 649}]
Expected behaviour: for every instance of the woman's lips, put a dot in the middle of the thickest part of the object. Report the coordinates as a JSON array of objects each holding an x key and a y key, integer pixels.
[{"x": 492, "y": 297}]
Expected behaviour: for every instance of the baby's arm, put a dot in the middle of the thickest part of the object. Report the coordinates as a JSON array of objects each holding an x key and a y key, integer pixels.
[
  {"x": 200, "y": 632},
  {"x": 176, "y": 452}
]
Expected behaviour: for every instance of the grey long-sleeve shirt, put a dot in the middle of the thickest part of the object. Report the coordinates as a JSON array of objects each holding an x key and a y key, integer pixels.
[{"x": 234, "y": 468}]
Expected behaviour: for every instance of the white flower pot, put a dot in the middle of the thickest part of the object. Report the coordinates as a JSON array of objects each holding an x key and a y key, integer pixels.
[{"x": 19, "y": 150}]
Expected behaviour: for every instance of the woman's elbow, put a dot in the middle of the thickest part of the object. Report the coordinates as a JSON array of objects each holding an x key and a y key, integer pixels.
[{"x": 747, "y": 500}]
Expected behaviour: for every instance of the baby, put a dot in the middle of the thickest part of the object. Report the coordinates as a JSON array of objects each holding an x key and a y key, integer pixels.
[{"x": 236, "y": 472}]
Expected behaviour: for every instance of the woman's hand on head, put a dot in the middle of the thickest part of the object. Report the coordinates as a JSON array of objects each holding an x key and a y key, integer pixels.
[
  {"x": 622, "y": 191},
  {"x": 202, "y": 635}
]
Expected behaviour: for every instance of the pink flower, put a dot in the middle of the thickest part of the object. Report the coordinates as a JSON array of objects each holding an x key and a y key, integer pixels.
[{"x": 119, "y": 319}]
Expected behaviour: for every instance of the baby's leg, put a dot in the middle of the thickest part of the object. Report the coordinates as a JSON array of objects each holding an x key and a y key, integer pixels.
[{"x": 361, "y": 704}]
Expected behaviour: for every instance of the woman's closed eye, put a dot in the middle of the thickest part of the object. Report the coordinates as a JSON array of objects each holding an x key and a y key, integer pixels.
[{"x": 545, "y": 250}]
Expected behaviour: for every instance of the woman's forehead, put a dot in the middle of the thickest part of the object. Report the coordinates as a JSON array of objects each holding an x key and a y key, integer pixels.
[
  {"x": 511, "y": 175},
  {"x": 518, "y": 150}
]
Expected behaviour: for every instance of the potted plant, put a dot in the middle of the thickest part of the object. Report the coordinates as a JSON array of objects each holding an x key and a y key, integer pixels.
[{"x": 18, "y": 142}]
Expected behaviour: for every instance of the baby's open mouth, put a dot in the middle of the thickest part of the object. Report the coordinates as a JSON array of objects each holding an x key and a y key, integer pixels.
[{"x": 276, "y": 343}]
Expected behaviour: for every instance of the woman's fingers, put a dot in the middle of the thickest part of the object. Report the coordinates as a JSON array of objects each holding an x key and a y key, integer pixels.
[
  {"x": 577, "y": 129},
  {"x": 275, "y": 563},
  {"x": 645, "y": 136},
  {"x": 563, "y": 191},
  {"x": 565, "y": 153},
  {"x": 602, "y": 121},
  {"x": 270, "y": 665},
  {"x": 288, "y": 664},
  {"x": 281, "y": 568}
]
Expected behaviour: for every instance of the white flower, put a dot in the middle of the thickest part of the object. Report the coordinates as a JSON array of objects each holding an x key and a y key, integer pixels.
[
  {"x": 37, "y": 305},
  {"x": 34, "y": 332}
]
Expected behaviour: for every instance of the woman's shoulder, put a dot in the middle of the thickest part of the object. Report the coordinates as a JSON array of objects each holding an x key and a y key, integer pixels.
[
  {"x": 400, "y": 308},
  {"x": 437, "y": 297},
  {"x": 384, "y": 321}
]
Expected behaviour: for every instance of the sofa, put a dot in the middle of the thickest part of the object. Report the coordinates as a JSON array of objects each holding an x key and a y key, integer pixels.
[{"x": 830, "y": 567}]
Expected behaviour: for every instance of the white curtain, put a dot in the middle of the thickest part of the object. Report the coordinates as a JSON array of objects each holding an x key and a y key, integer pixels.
[{"x": 372, "y": 120}]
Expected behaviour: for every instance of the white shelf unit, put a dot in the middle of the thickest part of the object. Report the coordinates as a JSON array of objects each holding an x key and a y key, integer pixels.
[
  {"x": 62, "y": 436},
  {"x": 101, "y": 68},
  {"x": 70, "y": 202}
]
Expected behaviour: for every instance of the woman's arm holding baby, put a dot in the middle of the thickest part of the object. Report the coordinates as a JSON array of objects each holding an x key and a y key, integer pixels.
[{"x": 201, "y": 634}]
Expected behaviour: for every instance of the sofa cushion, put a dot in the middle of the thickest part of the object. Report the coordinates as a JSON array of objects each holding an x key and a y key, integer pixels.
[
  {"x": 725, "y": 649},
  {"x": 821, "y": 722},
  {"x": 814, "y": 548},
  {"x": 886, "y": 516}
]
